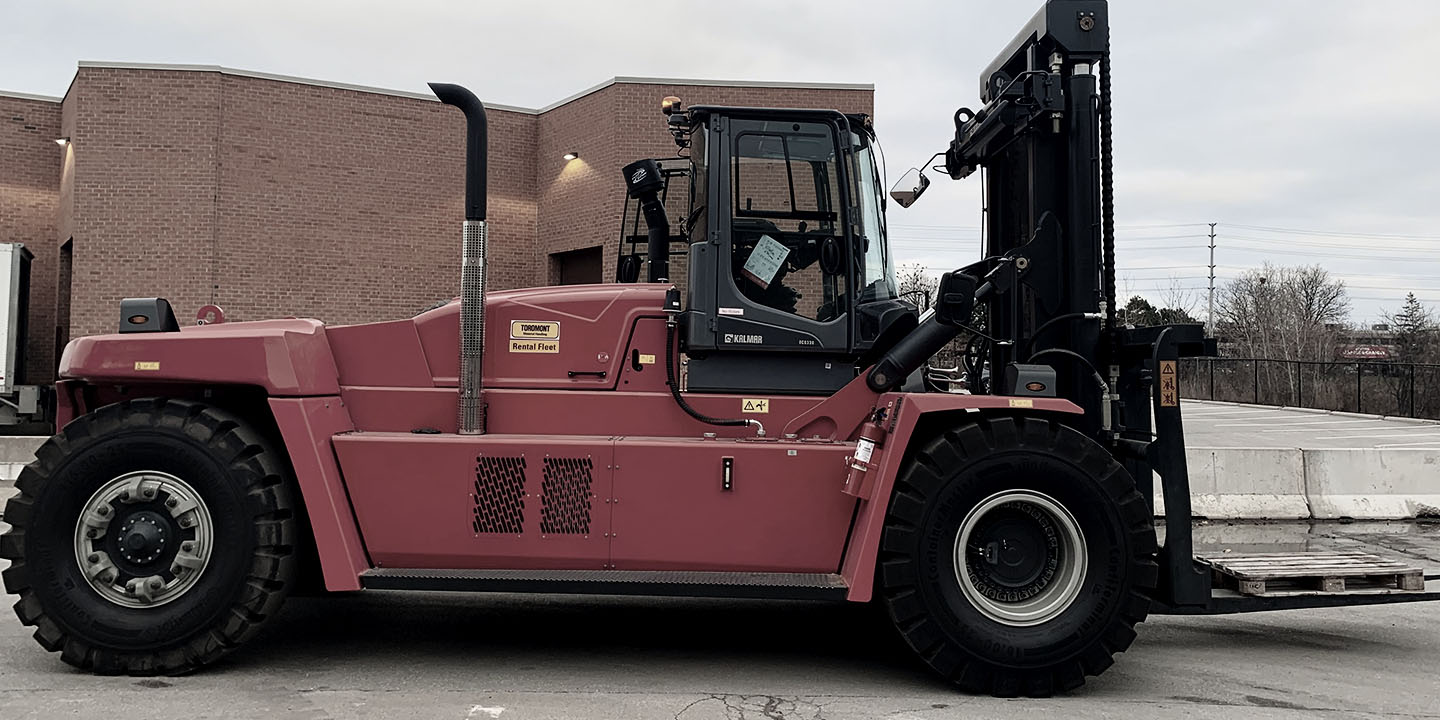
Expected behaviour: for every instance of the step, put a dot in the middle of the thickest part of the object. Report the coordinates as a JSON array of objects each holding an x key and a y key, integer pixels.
[
  {"x": 1312, "y": 573},
  {"x": 671, "y": 583}
]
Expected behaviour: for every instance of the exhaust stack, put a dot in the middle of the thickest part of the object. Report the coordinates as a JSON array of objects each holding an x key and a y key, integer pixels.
[{"x": 472, "y": 260}]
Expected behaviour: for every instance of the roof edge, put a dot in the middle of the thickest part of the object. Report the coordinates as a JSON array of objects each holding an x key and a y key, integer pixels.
[
  {"x": 29, "y": 96},
  {"x": 635, "y": 80},
  {"x": 186, "y": 67},
  {"x": 182, "y": 67}
]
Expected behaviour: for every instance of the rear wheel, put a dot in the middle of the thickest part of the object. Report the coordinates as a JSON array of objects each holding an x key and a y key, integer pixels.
[
  {"x": 1017, "y": 556},
  {"x": 150, "y": 537}
]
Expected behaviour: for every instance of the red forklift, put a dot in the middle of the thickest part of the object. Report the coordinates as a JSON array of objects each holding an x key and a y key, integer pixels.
[{"x": 543, "y": 440}]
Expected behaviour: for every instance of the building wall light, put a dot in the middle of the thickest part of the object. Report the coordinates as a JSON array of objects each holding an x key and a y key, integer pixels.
[
  {"x": 62, "y": 142},
  {"x": 571, "y": 155}
]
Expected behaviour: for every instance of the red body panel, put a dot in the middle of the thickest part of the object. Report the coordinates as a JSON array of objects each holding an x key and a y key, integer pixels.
[
  {"x": 783, "y": 513},
  {"x": 591, "y": 502},
  {"x": 582, "y": 412},
  {"x": 285, "y": 357},
  {"x": 422, "y": 502},
  {"x": 386, "y": 354},
  {"x": 308, "y": 424},
  {"x": 593, "y": 323}
]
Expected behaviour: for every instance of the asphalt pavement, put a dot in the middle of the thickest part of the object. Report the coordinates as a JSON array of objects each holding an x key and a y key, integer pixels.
[
  {"x": 1227, "y": 425},
  {"x": 468, "y": 657}
]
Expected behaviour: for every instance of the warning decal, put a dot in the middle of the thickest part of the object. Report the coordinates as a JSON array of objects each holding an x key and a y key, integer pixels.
[
  {"x": 529, "y": 329},
  {"x": 144, "y": 365},
  {"x": 535, "y": 346},
  {"x": 1169, "y": 386},
  {"x": 1022, "y": 403},
  {"x": 755, "y": 406}
]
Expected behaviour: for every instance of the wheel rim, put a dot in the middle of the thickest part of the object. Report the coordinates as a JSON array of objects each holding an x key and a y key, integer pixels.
[
  {"x": 143, "y": 539},
  {"x": 1020, "y": 557}
]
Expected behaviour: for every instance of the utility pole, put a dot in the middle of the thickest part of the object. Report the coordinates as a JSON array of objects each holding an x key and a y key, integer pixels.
[{"x": 1210, "y": 312}]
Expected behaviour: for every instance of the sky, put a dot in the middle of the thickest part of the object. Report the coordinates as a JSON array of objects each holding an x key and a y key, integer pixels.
[{"x": 1307, "y": 130}]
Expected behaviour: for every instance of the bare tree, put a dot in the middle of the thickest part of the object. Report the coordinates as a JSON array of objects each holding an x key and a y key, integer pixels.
[
  {"x": 1283, "y": 313},
  {"x": 1280, "y": 315},
  {"x": 916, "y": 285},
  {"x": 1185, "y": 303}
]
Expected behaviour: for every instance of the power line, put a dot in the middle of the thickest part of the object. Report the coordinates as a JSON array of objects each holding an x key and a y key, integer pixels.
[{"x": 1324, "y": 233}]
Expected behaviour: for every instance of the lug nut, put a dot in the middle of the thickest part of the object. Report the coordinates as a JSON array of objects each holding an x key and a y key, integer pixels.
[
  {"x": 125, "y": 495},
  {"x": 103, "y": 510},
  {"x": 172, "y": 502},
  {"x": 187, "y": 547},
  {"x": 90, "y": 533},
  {"x": 93, "y": 558},
  {"x": 156, "y": 583}
]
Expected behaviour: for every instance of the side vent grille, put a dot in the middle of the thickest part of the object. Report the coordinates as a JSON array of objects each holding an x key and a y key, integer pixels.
[
  {"x": 500, "y": 494},
  {"x": 565, "y": 502}
]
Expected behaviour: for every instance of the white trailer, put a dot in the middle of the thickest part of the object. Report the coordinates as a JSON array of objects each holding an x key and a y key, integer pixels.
[{"x": 18, "y": 402}]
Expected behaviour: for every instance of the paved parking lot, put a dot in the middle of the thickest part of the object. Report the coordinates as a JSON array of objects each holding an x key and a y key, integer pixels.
[
  {"x": 430, "y": 655},
  {"x": 1225, "y": 425}
]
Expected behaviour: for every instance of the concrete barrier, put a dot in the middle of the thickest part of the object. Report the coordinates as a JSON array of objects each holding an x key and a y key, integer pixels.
[
  {"x": 1244, "y": 483},
  {"x": 15, "y": 452},
  {"x": 1373, "y": 483},
  {"x": 1319, "y": 484}
]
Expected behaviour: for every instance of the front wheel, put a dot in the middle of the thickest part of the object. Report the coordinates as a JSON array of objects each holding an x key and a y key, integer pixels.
[
  {"x": 1017, "y": 557},
  {"x": 150, "y": 537}
]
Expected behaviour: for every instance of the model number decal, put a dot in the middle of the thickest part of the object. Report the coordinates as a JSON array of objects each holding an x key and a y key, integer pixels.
[{"x": 744, "y": 339}]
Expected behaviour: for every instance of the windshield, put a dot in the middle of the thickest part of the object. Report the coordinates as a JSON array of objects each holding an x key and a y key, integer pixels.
[{"x": 877, "y": 278}]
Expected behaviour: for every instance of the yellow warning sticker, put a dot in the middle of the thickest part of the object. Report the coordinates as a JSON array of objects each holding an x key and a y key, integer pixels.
[
  {"x": 1169, "y": 387},
  {"x": 147, "y": 365},
  {"x": 1022, "y": 403},
  {"x": 535, "y": 346},
  {"x": 647, "y": 359},
  {"x": 755, "y": 405},
  {"x": 534, "y": 329}
]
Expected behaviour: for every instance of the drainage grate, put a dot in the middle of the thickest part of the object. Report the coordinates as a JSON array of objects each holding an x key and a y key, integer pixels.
[
  {"x": 499, "y": 494},
  {"x": 565, "y": 496}
]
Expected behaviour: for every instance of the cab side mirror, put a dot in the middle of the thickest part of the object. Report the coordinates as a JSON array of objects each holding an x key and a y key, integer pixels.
[
  {"x": 909, "y": 188},
  {"x": 955, "y": 299}
]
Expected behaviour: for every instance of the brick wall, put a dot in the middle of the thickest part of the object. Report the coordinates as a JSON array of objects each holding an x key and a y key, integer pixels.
[
  {"x": 30, "y": 163},
  {"x": 273, "y": 198}
]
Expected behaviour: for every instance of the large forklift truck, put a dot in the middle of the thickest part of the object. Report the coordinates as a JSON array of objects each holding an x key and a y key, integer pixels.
[{"x": 540, "y": 440}]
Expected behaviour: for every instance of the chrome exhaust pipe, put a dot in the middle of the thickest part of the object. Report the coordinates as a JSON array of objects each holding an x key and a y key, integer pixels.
[{"x": 471, "y": 419}]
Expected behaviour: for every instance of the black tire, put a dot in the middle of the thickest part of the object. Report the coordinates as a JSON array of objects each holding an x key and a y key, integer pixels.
[
  {"x": 250, "y": 568},
  {"x": 954, "y": 474}
]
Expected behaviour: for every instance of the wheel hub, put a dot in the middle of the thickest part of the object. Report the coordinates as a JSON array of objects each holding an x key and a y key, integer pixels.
[
  {"x": 1020, "y": 557},
  {"x": 143, "y": 539}
]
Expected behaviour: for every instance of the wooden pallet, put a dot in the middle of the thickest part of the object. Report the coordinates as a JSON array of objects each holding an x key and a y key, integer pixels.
[{"x": 1312, "y": 573}]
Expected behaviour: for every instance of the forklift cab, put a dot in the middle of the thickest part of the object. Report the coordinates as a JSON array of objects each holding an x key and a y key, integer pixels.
[{"x": 790, "y": 284}]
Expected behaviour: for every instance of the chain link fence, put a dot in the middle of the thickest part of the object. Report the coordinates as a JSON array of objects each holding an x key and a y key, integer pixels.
[{"x": 1378, "y": 388}]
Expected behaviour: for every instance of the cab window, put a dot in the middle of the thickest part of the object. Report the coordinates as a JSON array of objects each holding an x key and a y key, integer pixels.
[{"x": 787, "y": 241}]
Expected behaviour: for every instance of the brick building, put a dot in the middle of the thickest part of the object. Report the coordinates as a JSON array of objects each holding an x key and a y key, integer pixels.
[{"x": 274, "y": 196}]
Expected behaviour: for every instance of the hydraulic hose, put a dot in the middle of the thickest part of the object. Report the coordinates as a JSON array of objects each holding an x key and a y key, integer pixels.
[
  {"x": 680, "y": 399},
  {"x": 1104, "y": 387},
  {"x": 1052, "y": 322}
]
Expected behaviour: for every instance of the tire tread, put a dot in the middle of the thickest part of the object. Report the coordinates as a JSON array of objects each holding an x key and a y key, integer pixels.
[{"x": 250, "y": 461}]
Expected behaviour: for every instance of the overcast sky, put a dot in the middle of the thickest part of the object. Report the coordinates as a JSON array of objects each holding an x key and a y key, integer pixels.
[{"x": 1308, "y": 129}]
